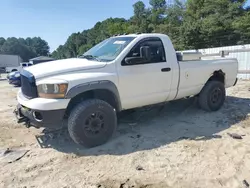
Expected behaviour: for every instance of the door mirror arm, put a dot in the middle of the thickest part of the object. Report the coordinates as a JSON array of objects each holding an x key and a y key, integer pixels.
[{"x": 134, "y": 60}]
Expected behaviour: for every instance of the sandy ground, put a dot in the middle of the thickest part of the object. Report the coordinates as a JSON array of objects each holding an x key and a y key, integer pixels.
[{"x": 173, "y": 145}]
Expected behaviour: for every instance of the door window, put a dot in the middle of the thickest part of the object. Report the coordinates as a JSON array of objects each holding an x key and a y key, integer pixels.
[{"x": 156, "y": 49}]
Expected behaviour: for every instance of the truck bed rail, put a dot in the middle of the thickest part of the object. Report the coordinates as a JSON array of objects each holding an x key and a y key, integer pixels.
[{"x": 192, "y": 56}]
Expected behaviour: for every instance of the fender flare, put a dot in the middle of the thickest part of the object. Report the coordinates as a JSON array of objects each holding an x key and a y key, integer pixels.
[{"x": 95, "y": 85}]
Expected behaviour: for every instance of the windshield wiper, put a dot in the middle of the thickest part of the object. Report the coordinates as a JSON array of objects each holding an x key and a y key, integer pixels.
[{"x": 89, "y": 57}]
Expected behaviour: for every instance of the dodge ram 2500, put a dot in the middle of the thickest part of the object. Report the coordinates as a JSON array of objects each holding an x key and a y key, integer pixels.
[{"x": 120, "y": 73}]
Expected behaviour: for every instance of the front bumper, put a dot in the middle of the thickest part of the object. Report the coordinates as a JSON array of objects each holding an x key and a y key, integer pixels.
[
  {"x": 40, "y": 112},
  {"x": 38, "y": 118},
  {"x": 41, "y": 103}
]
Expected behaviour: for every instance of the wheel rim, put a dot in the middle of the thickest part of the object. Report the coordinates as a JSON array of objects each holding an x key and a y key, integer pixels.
[
  {"x": 216, "y": 96},
  {"x": 94, "y": 124}
]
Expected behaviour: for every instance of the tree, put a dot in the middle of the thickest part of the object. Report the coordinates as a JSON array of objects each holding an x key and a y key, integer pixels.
[
  {"x": 84, "y": 48},
  {"x": 172, "y": 23},
  {"x": 2, "y": 41},
  {"x": 208, "y": 23},
  {"x": 16, "y": 47},
  {"x": 78, "y": 43},
  {"x": 25, "y": 48},
  {"x": 39, "y": 46},
  {"x": 158, "y": 11},
  {"x": 241, "y": 26},
  {"x": 191, "y": 24},
  {"x": 74, "y": 42},
  {"x": 59, "y": 53},
  {"x": 140, "y": 18}
]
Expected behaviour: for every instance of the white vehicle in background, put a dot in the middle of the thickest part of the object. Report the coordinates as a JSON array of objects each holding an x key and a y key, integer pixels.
[
  {"x": 26, "y": 64},
  {"x": 120, "y": 73},
  {"x": 12, "y": 69},
  {"x": 19, "y": 68}
]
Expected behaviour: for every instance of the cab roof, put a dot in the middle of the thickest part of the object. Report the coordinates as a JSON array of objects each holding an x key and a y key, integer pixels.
[{"x": 141, "y": 34}]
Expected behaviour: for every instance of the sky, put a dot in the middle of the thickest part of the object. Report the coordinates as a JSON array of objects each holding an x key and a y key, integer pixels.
[{"x": 55, "y": 20}]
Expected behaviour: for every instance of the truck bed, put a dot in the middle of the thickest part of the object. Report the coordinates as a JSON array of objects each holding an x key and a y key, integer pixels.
[{"x": 194, "y": 74}]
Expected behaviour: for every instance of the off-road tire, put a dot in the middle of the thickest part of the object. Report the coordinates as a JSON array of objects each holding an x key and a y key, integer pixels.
[
  {"x": 207, "y": 97},
  {"x": 78, "y": 123}
]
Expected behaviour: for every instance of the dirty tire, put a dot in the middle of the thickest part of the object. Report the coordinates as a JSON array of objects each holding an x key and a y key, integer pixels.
[
  {"x": 92, "y": 123},
  {"x": 212, "y": 96}
]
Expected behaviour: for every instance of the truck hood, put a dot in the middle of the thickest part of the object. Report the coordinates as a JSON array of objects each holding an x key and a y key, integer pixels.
[{"x": 57, "y": 67}]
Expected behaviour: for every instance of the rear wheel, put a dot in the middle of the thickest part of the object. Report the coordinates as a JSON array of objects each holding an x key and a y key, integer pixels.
[
  {"x": 212, "y": 96},
  {"x": 92, "y": 123}
]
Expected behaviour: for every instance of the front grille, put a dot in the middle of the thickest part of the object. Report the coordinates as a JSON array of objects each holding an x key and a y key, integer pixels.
[{"x": 28, "y": 84}]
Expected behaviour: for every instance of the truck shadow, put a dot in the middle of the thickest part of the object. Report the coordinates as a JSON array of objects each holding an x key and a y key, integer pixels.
[{"x": 157, "y": 126}]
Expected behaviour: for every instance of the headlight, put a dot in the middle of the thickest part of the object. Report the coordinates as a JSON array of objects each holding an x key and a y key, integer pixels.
[{"x": 52, "y": 91}]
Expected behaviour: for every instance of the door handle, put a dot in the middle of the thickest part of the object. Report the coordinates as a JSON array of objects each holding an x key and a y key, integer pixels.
[{"x": 166, "y": 69}]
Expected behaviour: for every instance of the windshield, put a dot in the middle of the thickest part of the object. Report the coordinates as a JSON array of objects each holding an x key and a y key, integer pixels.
[{"x": 108, "y": 49}]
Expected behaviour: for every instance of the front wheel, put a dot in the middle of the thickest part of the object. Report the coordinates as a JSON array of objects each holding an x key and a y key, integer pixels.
[
  {"x": 92, "y": 123},
  {"x": 212, "y": 96}
]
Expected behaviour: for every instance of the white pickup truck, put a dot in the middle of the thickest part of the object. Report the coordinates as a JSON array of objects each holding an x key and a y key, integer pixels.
[{"x": 120, "y": 73}]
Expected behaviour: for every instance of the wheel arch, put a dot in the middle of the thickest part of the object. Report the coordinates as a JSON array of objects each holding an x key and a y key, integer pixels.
[
  {"x": 103, "y": 90},
  {"x": 218, "y": 75}
]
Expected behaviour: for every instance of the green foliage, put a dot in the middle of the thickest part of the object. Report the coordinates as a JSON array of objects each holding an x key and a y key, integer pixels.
[
  {"x": 26, "y": 48},
  {"x": 140, "y": 20},
  {"x": 39, "y": 46},
  {"x": 241, "y": 26},
  {"x": 158, "y": 11},
  {"x": 2, "y": 41},
  {"x": 191, "y": 24},
  {"x": 211, "y": 23}
]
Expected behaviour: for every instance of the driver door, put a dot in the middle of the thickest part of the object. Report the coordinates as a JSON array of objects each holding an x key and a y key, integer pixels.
[{"x": 145, "y": 82}]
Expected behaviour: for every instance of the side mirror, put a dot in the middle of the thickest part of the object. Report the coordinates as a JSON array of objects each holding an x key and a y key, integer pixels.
[
  {"x": 145, "y": 56},
  {"x": 145, "y": 53}
]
